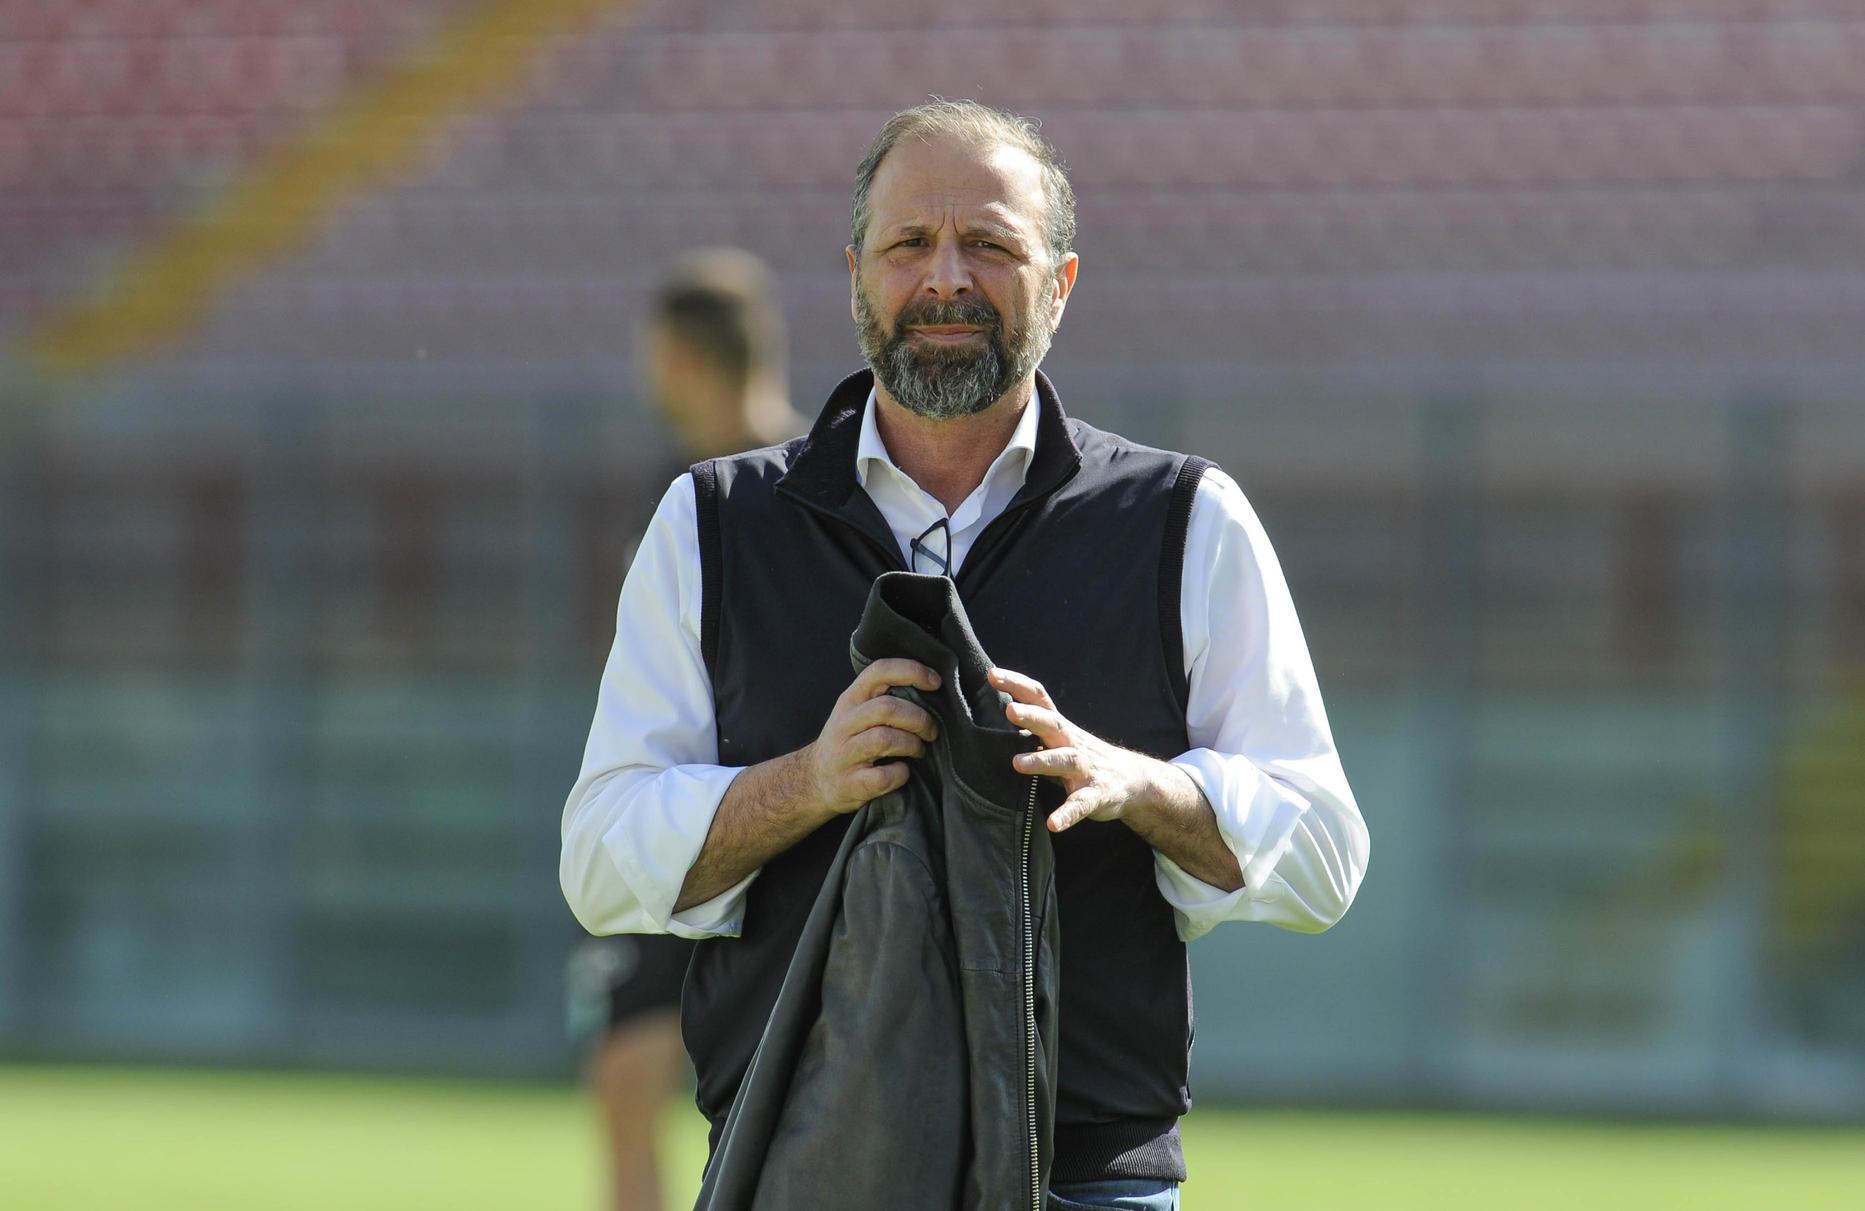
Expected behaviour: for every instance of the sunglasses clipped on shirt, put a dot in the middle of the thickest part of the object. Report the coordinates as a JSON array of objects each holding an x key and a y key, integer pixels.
[{"x": 932, "y": 550}]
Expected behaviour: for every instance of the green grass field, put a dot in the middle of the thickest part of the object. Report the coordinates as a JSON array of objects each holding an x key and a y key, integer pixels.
[{"x": 160, "y": 1140}]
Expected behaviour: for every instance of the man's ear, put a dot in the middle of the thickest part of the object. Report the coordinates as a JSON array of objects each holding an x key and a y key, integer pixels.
[
  {"x": 1064, "y": 286},
  {"x": 854, "y": 282}
]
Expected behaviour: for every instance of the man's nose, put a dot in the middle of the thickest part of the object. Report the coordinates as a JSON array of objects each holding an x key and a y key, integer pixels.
[{"x": 948, "y": 275}]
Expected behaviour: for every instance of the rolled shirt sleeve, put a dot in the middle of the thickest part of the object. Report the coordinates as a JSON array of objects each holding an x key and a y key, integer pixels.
[
  {"x": 650, "y": 782},
  {"x": 1262, "y": 751}
]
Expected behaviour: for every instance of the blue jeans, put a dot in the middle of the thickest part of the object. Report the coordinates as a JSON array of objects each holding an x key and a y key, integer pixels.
[{"x": 1123, "y": 1194}]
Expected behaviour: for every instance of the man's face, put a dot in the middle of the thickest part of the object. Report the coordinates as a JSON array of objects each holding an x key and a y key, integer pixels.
[{"x": 954, "y": 293}]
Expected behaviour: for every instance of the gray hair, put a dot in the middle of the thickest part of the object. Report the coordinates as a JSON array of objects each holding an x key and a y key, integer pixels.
[{"x": 984, "y": 125}]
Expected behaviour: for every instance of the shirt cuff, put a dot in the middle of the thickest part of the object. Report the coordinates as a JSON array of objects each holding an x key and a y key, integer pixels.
[
  {"x": 723, "y": 916},
  {"x": 655, "y": 844},
  {"x": 1199, "y": 907}
]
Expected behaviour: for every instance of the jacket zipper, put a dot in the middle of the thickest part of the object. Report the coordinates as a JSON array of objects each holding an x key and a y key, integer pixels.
[{"x": 1029, "y": 1002}]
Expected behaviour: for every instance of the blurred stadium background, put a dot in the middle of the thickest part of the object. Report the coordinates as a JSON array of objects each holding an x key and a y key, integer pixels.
[{"x": 1535, "y": 329}]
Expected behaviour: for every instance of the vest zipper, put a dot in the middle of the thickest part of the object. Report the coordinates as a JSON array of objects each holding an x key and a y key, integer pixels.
[{"x": 1029, "y": 1001}]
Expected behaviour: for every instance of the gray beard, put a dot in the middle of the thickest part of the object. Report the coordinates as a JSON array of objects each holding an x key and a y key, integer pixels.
[{"x": 944, "y": 384}]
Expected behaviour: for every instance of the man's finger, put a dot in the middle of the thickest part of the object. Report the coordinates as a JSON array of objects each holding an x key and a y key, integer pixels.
[
  {"x": 888, "y": 711},
  {"x": 1020, "y": 687},
  {"x": 1049, "y": 762},
  {"x": 1045, "y": 722},
  {"x": 873, "y": 781},
  {"x": 1076, "y": 808},
  {"x": 878, "y": 742},
  {"x": 882, "y": 675}
]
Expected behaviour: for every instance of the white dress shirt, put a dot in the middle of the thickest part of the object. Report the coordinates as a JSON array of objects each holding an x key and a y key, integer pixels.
[{"x": 1262, "y": 752}]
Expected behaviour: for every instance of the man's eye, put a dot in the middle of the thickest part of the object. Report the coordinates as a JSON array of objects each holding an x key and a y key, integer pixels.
[{"x": 912, "y": 241}]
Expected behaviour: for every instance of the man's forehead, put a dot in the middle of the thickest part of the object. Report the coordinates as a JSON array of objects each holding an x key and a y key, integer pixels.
[
  {"x": 923, "y": 181},
  {"x": 930, "y": 210}
]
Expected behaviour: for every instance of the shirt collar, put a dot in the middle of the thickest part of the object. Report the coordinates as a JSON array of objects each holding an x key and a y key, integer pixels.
[
  {"x": 820, "y": 469},
  {"x": 870, "y": 450}
]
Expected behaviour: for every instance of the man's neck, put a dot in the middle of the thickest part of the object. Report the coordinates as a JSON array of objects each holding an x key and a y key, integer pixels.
[{"x": 948, "y": 458}]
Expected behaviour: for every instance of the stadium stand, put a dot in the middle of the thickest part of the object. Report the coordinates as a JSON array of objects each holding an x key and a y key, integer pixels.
[{"x": 1484, "y": 191}]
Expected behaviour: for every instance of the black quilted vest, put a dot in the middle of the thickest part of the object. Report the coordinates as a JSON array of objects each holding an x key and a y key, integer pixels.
[{"x": 1077, "y": 585}]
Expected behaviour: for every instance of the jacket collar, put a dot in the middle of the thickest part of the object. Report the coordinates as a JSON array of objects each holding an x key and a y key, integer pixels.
[{"x": 822, "y": 471}]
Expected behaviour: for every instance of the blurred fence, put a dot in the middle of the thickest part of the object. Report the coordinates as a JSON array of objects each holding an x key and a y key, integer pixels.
[{"x": 291, "y": 705}]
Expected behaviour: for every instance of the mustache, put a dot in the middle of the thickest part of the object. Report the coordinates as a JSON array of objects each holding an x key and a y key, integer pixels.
[{"x": 972, "y": 312}]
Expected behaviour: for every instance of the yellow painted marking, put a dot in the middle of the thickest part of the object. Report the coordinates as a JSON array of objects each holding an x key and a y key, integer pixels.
[{"x": 278, "y": 202}]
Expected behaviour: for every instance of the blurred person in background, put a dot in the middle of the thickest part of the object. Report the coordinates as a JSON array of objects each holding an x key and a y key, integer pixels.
[{"x": 712, "y": 356}]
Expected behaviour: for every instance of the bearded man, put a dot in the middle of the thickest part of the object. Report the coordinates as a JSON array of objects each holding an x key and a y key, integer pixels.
[{"x": 1143, "y": 627}]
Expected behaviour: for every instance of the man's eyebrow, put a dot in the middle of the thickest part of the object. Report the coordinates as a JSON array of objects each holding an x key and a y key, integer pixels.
[
  {"x": 995, "y": 230},
  {"x": 981, "y": 227}
]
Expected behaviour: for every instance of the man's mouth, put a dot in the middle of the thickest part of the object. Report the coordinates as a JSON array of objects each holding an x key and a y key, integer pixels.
[{"x": 946, "y": 334}]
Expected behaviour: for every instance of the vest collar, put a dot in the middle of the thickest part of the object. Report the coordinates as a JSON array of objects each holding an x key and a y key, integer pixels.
[{"x": 822, "y": 471}]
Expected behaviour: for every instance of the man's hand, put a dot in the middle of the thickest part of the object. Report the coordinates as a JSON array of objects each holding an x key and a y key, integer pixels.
[
  {"x": 1157, "y": 800},
  {"x": 1102, "y": 779},
  {"x": 846, "y": 762},
  {"x": 774, "y": 804}
]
